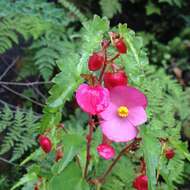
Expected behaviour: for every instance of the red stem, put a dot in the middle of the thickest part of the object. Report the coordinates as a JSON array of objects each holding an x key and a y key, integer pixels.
[
  {"x": 102, "y": 73},
  {"x": 115, "y": 57},
  {"x": 123, "y": 151},
  {"x": 104, "y": 67},
  {"x": 88, "y": 145}
]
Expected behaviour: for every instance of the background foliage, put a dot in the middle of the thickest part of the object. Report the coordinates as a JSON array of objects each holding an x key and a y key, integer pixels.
[{"x": 50, "y": 41}]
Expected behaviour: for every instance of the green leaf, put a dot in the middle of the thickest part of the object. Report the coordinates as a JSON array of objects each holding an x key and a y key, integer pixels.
[
  {"x": 182, "y": 147},
  {"x": 122, "y": 175},
  {"x": 152, "y": 150},
  {"x": 73, "y": 9},
  {"x": 151, "y": 8},
  {"x": 178, "y": 3},
  {"x": 34, "y": 156},
  {"x": 93, "y": 33},
  {"x": 70, "y": 178},
  {"x": 25, "y": 179},
  {"x": 72, "y": 144},
  {"x": 110, "y": 9},
  {"x": 136, "y": 59},
  {"x": 69, "y": 74}
]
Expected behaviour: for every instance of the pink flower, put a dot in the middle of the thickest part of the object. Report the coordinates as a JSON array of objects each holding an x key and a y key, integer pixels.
[
  {"x": 106, "y": 151},
  {"x": 125, "y": 112},
  {"x": 92, "y": 99}
]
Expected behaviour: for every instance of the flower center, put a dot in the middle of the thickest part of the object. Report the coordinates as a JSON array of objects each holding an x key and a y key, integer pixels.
[{"x": 122, "y": 111}]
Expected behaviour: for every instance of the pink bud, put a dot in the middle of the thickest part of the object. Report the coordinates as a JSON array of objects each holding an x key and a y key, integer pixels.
[
  {"x": 92, "y": 99},
  {"x": 106, "y": 151}
]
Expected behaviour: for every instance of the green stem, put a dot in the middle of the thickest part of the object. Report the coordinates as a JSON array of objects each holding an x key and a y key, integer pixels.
[
  {"x": 159, "y": 162},
  {"x": 98, "y": 187}
]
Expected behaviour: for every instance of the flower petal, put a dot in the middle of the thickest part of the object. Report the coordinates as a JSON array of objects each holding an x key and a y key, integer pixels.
[
  {"x": 128, "y": 96},
  {"x": 109, "y": 113},
  {"x": 119, "y": 130},
  {"x": 92, "y": 99},
  {"x": 137, "y": 116},
  {"x": 83, "y": 99}
]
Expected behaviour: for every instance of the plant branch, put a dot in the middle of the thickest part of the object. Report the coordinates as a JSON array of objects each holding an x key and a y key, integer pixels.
[
  {"x": 25, "y": 84},
  {"x": 8, "y": 68},
  {"x": 102, "y": 73},
  {"x": 7, "y": 161},
  {"x": 88, "y": 145},
  {"x": 123, "y": 151},
  {"x": 104, "y": 67},
  {"x": 23, "y": 96},
  {"x": 33, "y": 86},
  {"x": 115, "y": 57}
]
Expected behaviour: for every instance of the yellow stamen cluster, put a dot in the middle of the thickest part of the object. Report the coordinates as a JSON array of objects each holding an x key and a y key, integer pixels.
[{"x": 122, "y": 111}]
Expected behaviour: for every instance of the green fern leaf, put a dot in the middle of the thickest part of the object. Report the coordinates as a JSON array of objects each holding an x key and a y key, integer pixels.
[{"x": 110, "y": 9}]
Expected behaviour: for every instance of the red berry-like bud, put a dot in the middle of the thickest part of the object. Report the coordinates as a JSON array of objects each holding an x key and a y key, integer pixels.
[
  {"x": 115, "y": 79},
  {"x": 141, "y": 182},
  {"x": 95, "y": 62},
  {"x": 169, "y": 153},
  {"x": 59, "y": 154},
  {"x": 106, "y": 151},
  {"x": 45, "y": 143},
  {"x": 36, "y": 187},
  {"x": 120, "y": 45}
]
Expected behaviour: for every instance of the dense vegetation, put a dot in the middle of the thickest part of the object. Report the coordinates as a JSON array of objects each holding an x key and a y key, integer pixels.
[{"x": 45, "y": 46}]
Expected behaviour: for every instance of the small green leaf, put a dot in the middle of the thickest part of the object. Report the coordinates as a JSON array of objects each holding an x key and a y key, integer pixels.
[
  {"x": 151, "y": 8},
  {"x": 93, "y": 33},
  {"x": 25, "y": 179},
  {"x": 35, "y": 155},
  {"x": 70, "y": 179},
  {"x": 181, "y": 148},
  {"x": 72, "y": 144},
  {"x": 152, "y": 150},
  {"x": 110, "y": 9},
  {"x": 135, "y": 60}
]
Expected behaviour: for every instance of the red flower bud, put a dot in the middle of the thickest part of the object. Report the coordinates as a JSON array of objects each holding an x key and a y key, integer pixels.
[
  {"x": 121, "y": 46},
  {"x": 36, "y": 187},
  {"x": 169, "y": 153},
  {"x": 115, "y": 79},
  {"x": 141, "y": 182},
  {"x": 95, "y": 61},
  {"x": 106, "y": 151},
  {"x": 45, "y": 143},
  {"x": 59, "y": 154}
]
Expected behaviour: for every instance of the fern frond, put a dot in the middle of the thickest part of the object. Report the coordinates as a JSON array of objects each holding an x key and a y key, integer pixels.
[
  {"x": 109, "y": 9},
  {"x": 7, "y": 35},
  {"x": 73, "y": 9},
  {"x": 177, "y": 3},
  {"x": 29, "y": 19},
  {"x": 7, "y": 116},
  {"x": 20, "y": 131}
]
